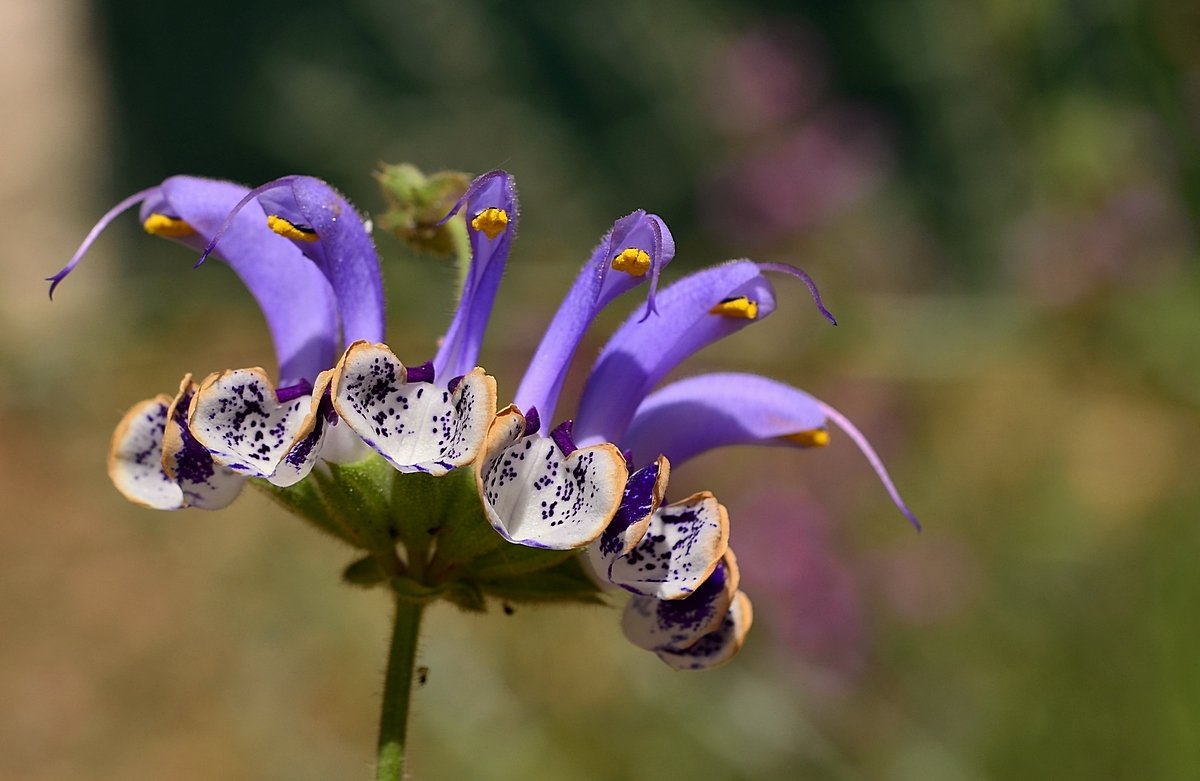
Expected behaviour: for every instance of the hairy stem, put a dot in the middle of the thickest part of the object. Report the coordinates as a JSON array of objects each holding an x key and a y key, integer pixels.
[{"x": 397, "y": 690}]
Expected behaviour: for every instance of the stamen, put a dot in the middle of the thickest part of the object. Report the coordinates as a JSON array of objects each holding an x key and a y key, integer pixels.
[
  {"x": 632, "y": 261},
  {"x": 291, "y": 230},
  {"x": 491, "y": 222},
  {"x": 158, "y": 224},
  {"x": 736, "y": 306},
  {"x": 813, "y": 437},
  {"x": 480, "y": 182},
  {"x": 282, "y": 181}
]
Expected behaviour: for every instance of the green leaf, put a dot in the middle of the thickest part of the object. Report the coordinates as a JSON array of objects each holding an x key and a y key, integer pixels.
[
  {"x": 358, "y": 496},
  {"x": 304, "y": 501},
  {"x": 511, "y": 560},
  {"x": 565, "y": 582},
  {"x": 466, "y": 596},
  {"x": 364, "y": 573},
  {"x": 463, "y": 533}
]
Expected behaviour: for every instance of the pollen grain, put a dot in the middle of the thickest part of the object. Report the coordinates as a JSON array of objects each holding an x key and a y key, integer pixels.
[
  {"x": 633, "y": 261},
  {"x": 158, "y": 224},
  {"x": 735, "y": 307},
  {"x": 491, "y": 222}
]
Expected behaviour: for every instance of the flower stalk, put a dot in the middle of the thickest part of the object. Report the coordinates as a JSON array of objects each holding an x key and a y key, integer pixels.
[{"x": 391, "y": 749}]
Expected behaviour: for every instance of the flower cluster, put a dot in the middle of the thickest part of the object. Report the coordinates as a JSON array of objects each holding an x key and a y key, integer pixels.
[{"x": 381, "y": 442}]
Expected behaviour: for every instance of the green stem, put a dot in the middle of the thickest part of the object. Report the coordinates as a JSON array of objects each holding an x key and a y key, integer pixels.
[{"x": 397, "y": 689}]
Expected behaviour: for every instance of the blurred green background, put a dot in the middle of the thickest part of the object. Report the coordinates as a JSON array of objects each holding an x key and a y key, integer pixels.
[{"x": 1000, "y": 201}]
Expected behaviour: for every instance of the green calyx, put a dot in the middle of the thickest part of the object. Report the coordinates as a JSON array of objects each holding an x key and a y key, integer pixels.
[
  {"x": 426, "y": 538},
  {"x": 417, "y": 203}
]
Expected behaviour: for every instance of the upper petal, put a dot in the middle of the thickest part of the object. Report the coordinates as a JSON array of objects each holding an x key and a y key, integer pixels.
[
  {"x": 635, "y": 249},
  {"x": 693, "y": 312},
  {"x": 491, "y": 210},
  {"x": 694, "y": 415},
  {"x": 326, "y": 228},
  {"x": 295, "y": 298}
]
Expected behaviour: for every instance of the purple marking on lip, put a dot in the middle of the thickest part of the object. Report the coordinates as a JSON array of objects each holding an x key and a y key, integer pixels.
[
  {"x": 422, "y": 373},
  {"x": 292, "y": 392},
  {"x": 636, "y": 504},
  {"x": 562, "y": 438},
  {"x": 533, "y": 421},
  {"x": 453, "y": 384}
]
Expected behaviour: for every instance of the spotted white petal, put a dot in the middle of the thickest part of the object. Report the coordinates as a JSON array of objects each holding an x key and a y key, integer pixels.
[
  {"x": 679, "y": 551},
  {"x": 674, "y": 624},
  {"x": 311, "y": 437},
  {"x": 416, "y": 426},
  {"x": 205, "y": 484},
  {"x": 717, "y": 647},
  {"x": 237, "y": 417},
  {"x": 536, "y": 495},
  {"x": 135, "y": 459},
  {"x": 643, "y": 494}
]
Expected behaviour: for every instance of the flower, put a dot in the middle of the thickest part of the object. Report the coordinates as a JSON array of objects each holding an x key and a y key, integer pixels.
[
  {"x": 540, "y": 490},
  {"x": 383, "y": 431},
  {"x": 674, "y": 557},
  {"x": 155, "y": 459}
]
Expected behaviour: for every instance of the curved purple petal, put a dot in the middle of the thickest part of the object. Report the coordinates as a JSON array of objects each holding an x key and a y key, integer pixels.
[
  {"x": 695, "y": 415},
  {"x": 491, "y": 211},
  {"x": 637, "y": 246},
  {"x": 694, "y": 312},
  {"x": 294, "y": 297},
  {"x": 339, "y": 244},
  {"x": 692, "y": 416}
]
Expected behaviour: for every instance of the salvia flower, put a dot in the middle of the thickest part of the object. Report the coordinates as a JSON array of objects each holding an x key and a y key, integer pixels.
[
  {"x": 354, "y": 440},
  {"x": 674, "y": 558}
]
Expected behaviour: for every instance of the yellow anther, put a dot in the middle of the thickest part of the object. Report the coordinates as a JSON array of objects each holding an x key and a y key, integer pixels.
[
  {"x": 290, "y": 230},
  {"x": 172, "y": 227},
  {"x": 813, "y": 437},
  {"x": 738, "y": 306},
  {"x": 491, "y": 222},
  {"x": 632, "y": 261}
]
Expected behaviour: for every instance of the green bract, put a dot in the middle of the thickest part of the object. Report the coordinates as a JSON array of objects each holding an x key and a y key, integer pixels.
[{"x": 426, "y": 538}]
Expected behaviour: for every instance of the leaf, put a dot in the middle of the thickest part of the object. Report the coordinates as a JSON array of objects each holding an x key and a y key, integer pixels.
[
  {"x": 565, "y": 582},
  {"x": 364, "y": 573}
]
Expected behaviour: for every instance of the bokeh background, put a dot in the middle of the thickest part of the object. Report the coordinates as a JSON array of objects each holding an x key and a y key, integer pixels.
[{"x": 999, "y": 200}]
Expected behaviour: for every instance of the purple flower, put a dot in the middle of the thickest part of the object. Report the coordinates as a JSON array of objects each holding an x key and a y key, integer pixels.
[
  {"x": 156, "y": 459},
  {"x": 542, "y": 490},
  {"x": 673, "y": 557},
  {"x": 307, "y": 257},
  {"x": 597, "y": 483}
]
